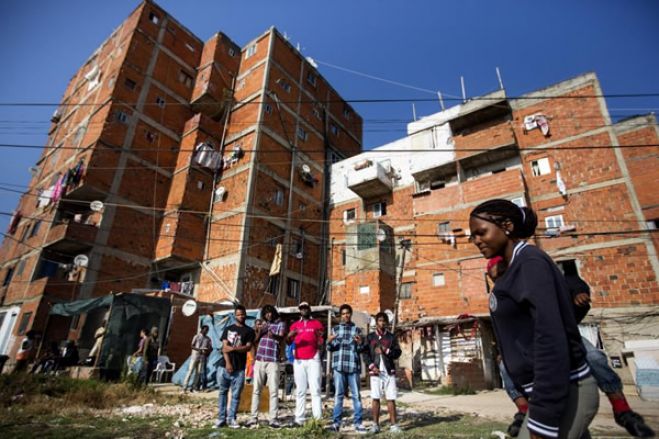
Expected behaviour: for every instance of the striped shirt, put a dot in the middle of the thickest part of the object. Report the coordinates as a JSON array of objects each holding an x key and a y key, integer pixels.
[{"x": 268, "y": 349}]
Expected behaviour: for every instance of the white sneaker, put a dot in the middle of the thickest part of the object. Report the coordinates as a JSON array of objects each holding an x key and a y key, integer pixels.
[
  {"x": 234, "y": 424},
  {"x": 395, "y": 429},
  {"x": 375, "y": 429}
]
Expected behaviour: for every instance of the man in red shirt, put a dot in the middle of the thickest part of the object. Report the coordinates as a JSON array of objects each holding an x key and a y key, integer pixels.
[{"x": 307, "y": 334}]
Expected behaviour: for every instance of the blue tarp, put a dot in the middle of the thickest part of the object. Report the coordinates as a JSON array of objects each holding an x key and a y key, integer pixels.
[{"x": 216, "y": 322}]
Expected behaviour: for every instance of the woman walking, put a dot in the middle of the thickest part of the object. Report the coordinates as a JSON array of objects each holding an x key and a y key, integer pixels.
[{"x": 534, "y": 321}]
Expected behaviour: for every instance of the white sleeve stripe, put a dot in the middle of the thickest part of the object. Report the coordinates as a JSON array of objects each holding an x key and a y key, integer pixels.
[
  {"x": 541, "y": 425},
  {"x": 542, "y": 431}
]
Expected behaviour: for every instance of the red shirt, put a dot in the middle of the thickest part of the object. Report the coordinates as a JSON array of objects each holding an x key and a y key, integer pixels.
[{"x": 306, "y": 341}]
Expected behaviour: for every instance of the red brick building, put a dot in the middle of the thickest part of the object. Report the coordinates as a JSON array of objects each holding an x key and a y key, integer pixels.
[
  {"x": 207, "y": 157},
  {"x": 553, "y": 150}
]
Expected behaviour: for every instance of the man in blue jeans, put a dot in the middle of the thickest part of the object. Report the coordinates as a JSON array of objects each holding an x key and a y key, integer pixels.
[
  {"x": 607, "y": 380},
  {"x": 346, "y": 343},
  {"x": 236, "y": 340}
]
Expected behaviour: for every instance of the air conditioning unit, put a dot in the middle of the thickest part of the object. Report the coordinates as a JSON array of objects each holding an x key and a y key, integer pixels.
[{"x": 220, "y": 193}]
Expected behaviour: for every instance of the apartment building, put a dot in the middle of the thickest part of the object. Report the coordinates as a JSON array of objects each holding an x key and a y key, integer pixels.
[
  {"x": 181, "y": 165},
  {"x": 399, "y": 218}
]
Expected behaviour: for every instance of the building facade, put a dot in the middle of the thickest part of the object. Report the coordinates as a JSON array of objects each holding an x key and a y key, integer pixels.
[
  {"x": 400, "y": 214},
  {"x": 178, "y": 164}
]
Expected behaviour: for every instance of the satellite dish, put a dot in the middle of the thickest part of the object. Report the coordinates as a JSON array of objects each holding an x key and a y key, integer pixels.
[
  {"x": 381, "y": 235},
  {"x": 96, "y": 205},
  {"x": 81, "y": 261},
  {"x": 390, "y": 315},
  {"x": 372, "y": 323},
  {"x": 189, "y": 308},
  {"x": 306, "y": 169},
  {"x": 299, "y": 255}
]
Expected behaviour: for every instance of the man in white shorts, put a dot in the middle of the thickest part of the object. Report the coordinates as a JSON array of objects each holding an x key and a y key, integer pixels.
[{"x": 382, "y": 350}]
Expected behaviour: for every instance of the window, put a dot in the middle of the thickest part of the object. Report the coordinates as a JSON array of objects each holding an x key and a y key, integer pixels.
[
  {"x": 153, "y": 18},
  {"x": 293, "y": 290},
  {"x": 379, "y": 209},
  {"x": 444, "y": 229},
  {"x": 349, "y": 215},
  {"x": 540, "y": 167},
  {"x": 130, "y": 84},
  {"x": 251, "y": 50},
  {"x": 8, "y": 276},
  {"x": 122, "y": 117},
  {"x": 25, "y": 321},
  {"x": 35, "y": 229},
  {"x": 273, "y": 285},
  {"x": 343, "y": 257},
  {"x": 232, "y": 52},
  {"x": 519, "y": 201},
  {"x": 347, "y": 113},
  {"x": 652, "y": 224},
  {"x": 284, "y": 84},
  {"x": 311, "y": 78},
  {"x": 438, "y": 280},
  {"x": 364, "y": 289},
  {"x": 26, "y": 230},
  {"x": 406, "y": 290},
  {"x": 316, "y": 113},
  {"x": 268, "y": 108},
  {"x": 185, "y": 79},
  {"x": 80, "y": 133},
  {"x": 334, "y": 129},
  {"x": 279, "y": 197},
  {"x": 554, "y": 222},
  {"x": 20, "y": 267},
  {"x": 297, "y": 248},
  {"x": 568, "y": 267},
  {"x": 302, "y": 134},
  {"x": 160, "y": 102},
  {"x": 335, "y": 157},
  {"x": 422, "y": 186}
]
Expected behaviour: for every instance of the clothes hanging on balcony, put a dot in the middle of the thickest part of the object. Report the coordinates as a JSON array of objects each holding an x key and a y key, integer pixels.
[
  {"x": 59, "y": 187},
  {"x": 45, "y": 197},
  {"x": 77, "y": 172}
]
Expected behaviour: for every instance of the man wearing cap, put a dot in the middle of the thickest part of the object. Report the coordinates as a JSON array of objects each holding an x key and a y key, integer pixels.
[{"x": 307, "y": 334}]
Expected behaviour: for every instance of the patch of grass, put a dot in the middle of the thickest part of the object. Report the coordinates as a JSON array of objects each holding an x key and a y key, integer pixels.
[{"x": 449, "y": 390}]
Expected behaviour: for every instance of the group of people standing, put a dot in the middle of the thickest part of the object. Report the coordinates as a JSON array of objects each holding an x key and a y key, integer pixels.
[{"x": 308, "y": 341}]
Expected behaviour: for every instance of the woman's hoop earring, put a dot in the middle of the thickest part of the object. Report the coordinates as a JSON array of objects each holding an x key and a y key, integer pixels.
[{"x": 507, "y": 232}]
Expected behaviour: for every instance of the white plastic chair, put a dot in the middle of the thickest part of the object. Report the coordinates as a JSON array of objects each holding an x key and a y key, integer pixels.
[{"x": 163, "y": 367}]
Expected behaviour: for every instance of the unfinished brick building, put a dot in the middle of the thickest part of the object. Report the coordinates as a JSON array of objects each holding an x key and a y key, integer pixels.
[
  {"x": 208, "y": 159},
  {"x": 552, "y": 150}
]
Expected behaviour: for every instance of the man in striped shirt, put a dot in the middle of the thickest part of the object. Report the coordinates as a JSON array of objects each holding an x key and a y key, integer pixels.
[
  {"x": 266, "y": 368},
  {"x": 346, "y": 343}
]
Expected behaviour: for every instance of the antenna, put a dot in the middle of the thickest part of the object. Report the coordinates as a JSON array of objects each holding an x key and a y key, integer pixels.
[
  {"x": 464, "y": 92},
  {"x": 499, "y": 78},
  {"x": 441, "y": 100}
]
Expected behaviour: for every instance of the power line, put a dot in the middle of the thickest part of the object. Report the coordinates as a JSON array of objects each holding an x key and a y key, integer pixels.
[{"x": 355, "y": 100}]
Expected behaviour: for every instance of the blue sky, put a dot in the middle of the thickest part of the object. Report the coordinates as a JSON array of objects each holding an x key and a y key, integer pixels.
[{"x": 426, "y": 44}]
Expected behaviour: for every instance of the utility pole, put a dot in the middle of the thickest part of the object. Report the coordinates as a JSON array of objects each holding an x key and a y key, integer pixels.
[{"x": 405, "y": 245}]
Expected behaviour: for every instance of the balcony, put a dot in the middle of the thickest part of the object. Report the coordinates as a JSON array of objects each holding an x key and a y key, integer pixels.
[
  {"x": 211, "y": 95},
  {"x": 369, "y": 179},
  {"x": 71, "y": 237}
]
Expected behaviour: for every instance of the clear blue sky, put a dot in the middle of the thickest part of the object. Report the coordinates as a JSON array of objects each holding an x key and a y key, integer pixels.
[{"x": 426, "y": 44}]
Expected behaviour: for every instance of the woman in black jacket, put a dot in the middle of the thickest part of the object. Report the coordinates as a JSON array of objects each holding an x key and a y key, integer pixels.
[{"x": 534, "y": 321}]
